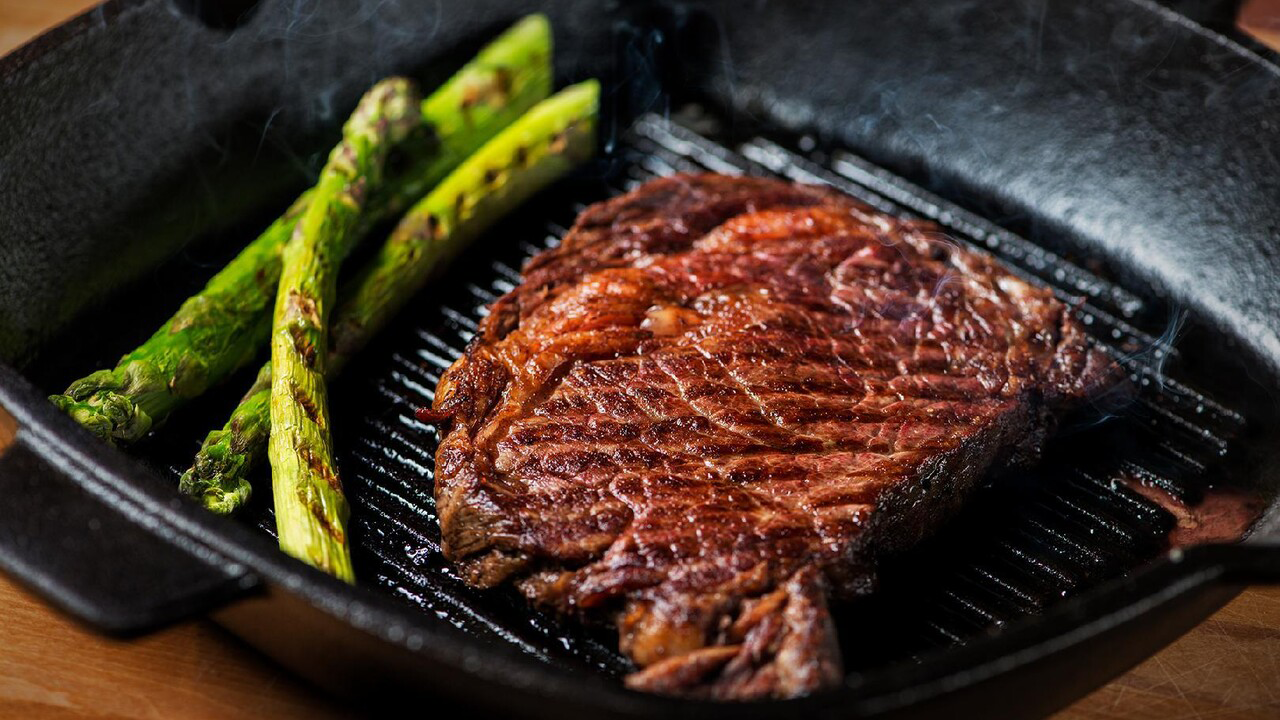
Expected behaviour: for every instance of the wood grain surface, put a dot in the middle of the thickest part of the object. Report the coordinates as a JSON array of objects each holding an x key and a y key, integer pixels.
[
  {"x": 53, "y": 668},
  {"x": 21, "y": 20},
  {"x": 1228, "y": 668}
]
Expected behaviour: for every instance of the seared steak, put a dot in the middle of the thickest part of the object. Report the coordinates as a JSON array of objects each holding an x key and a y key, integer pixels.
[{"x": 719, "y": 400}]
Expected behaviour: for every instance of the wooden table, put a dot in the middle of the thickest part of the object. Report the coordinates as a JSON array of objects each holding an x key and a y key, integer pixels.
[{"x": 1228, "y": 668}]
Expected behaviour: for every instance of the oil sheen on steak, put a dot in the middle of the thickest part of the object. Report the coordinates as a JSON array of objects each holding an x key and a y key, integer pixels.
[{"x": 719, "y": 400}]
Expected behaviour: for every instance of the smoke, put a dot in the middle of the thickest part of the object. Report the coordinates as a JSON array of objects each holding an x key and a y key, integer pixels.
[
  {"x": 1157, "y": 355},
  {"x": 1146, "y": 364}
]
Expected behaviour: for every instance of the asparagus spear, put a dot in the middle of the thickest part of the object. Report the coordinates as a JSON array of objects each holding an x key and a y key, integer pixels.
[
  {"x": 219, "y": 477},
  {"x": 552, "y": 138},
  {"x": 221, "y": 328},
  {"x": 213, "y": 332},
  {"x": 310, "y": 509}
]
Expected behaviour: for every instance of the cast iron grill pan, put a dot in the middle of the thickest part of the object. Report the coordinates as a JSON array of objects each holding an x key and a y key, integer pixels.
[{"x": 1045, "y": 534}]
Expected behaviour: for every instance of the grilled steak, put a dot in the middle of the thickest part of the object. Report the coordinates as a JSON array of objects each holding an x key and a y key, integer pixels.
[{"x": 719, "y": 400}]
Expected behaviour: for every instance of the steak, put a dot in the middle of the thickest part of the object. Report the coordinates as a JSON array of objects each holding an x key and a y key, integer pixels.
[{"x": 720, "y": 400}]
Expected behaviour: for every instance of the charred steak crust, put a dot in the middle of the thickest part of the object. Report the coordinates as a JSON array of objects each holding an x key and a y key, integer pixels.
[{"x": 720, "y": 399}]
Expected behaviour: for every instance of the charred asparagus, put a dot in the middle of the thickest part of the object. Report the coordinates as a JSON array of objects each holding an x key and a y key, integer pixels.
[
  {"x": 552, "y": 138},
  {"x": 311, "y": 512}
]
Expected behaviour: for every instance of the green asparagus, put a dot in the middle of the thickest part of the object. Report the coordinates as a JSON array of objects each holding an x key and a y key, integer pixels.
[
  {"x": 223, "y": 327},
  {"x": 311, "y": 513},
  {"x": 553, "y": 137},
  {"x": 219, "y": 477}
]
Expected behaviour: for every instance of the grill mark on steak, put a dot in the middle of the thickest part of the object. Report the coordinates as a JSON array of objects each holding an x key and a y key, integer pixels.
[{"x": 718, "y": 400}]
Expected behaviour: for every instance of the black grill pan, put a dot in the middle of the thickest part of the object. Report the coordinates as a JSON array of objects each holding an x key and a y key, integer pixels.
[{"x": 1114, "y": 151}]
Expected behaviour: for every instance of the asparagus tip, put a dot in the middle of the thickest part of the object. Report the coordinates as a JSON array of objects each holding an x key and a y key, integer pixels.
[
  {"x": 110, "y": 415},
  {"x": 219, "y": 494}
]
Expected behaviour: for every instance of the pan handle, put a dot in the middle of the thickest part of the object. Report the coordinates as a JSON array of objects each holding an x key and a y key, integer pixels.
[{"x": 81, "y": 526}]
